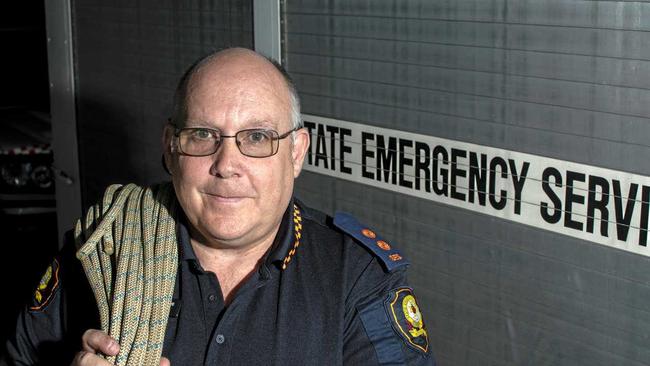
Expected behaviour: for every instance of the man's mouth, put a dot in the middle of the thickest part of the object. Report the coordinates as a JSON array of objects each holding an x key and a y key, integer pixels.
[{"x": 226, "y": 197}]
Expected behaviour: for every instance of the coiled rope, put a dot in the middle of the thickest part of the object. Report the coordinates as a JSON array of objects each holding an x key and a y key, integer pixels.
[{"x": 128, "y": 249}]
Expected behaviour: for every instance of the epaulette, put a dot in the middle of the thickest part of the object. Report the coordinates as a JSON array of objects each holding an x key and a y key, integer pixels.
[{"x": 390, "y": 257}]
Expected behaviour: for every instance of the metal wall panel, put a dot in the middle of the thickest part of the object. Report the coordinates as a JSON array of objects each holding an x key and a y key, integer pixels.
[
  {"x": 558, "y": 78},
  {"x": 62, "y": 109},
  {"x": 129, "y": 57}
]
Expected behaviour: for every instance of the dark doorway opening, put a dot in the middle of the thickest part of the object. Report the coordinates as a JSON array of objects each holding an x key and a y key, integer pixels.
[{"x": 27, "y": 204}]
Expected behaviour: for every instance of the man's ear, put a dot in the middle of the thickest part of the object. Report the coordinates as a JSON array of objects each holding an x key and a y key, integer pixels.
[
  {"x": 168, "y": 147},
  {"x": 300, "y": 147}
]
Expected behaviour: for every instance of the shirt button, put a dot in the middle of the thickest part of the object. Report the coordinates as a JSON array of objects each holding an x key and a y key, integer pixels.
[
  {"x": 212, "y": 298},
  {"x": 220, "y": 338}
]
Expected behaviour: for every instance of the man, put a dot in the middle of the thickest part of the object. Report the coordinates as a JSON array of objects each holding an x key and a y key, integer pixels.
[{"x": 261, "y": 278}]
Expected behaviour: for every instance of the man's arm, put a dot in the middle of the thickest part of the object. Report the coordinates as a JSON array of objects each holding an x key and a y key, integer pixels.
[
  {"x": 49, "y": 328},
  {"x": 48, "y": 333},
  {"x": 384, "y": 325},
  {"x": 39, "y": 328},
  {"x": 383, "y": 321}
]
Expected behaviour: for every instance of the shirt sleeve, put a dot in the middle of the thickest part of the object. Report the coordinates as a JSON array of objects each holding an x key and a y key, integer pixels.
[
  {"x": 384, "y": 325},
  {"x": 49, "y": 327}
]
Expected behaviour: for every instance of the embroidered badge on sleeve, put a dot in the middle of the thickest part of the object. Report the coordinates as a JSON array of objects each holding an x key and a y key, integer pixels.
[
  {"x": 405, "y": 316},
  {"x": 46, "y": 287}
]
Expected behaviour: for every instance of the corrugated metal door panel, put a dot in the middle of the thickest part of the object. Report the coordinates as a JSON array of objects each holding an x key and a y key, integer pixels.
[{"x": 556, "y": 78}]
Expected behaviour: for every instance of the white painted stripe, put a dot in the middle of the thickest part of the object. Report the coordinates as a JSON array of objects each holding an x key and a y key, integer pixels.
[{"x": 613, "y": 213}]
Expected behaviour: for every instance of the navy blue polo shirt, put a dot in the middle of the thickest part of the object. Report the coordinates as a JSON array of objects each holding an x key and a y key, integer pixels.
[{"x": 334, "y": 302}]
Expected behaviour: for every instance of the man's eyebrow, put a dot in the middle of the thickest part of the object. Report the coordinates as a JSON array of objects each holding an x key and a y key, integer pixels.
[
  {"x": 257, "y": 123},
  {"x": 200, "y": 124}
]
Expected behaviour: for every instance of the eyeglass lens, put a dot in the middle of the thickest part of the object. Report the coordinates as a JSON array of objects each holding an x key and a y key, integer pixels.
[{"x": 253, "y": 142}]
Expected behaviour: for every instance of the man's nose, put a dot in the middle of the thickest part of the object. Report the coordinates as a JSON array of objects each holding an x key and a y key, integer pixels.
[{"x": 227, "y": 159}]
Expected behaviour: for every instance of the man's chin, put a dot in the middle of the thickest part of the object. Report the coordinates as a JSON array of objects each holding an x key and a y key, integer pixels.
[{"x": 227, "y": 229}]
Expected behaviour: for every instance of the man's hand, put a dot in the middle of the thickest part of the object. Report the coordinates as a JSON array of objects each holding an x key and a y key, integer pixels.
[{"x": 95, "y": 341}]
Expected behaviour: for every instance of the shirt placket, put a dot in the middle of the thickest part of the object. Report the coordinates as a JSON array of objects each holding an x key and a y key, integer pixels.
[
  {"x": 223, "y": 337},
  {"x": 212, "y": 304}
]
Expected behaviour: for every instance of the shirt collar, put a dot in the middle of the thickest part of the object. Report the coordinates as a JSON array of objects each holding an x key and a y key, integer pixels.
[
  {"x": 186, "y": 252},
  {"x": 284, "y": 238},
  {"x": 281, "y": 244}
]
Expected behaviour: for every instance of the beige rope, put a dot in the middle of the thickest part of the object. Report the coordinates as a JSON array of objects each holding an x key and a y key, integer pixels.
[{"x": 128, "y": 249}]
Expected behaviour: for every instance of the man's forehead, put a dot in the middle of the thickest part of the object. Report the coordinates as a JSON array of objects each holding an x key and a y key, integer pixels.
[
  {"x": 248, "y": 98},
  {"x": 246, "y": 82},
  {"x": 249, "y": 107}
]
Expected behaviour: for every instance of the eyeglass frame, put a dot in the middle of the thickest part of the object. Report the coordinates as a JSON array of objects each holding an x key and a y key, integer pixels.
[{"x": 177, "y": 132}]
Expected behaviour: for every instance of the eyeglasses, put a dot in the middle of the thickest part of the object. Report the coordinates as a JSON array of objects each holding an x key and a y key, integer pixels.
[{"x": 254, "y": 142}]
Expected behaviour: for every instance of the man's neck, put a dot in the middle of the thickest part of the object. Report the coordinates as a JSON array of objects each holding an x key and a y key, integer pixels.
[{"x": 232, "y": 265}]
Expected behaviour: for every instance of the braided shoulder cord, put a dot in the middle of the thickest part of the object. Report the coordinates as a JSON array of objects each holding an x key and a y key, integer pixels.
[
  {"x": 128, "y": 249},
  {"x": 297, "y": 232}
]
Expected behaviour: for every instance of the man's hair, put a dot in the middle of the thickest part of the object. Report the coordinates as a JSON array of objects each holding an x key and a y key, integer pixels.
[{"x": 179, "y": 111}]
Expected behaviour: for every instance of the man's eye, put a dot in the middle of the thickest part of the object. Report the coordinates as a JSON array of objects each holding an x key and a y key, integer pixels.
[
  {"x": 202, "y": 134},
  {"x": 258, "y": 137}
]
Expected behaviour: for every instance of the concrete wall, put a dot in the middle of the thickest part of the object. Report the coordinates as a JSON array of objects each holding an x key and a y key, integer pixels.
[
  {"x": 129, "y": 56},
  {"x": 563, "y": 79}
]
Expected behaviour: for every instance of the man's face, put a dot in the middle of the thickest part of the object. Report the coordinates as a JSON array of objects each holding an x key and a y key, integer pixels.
[{"x": 231, "y": 200}]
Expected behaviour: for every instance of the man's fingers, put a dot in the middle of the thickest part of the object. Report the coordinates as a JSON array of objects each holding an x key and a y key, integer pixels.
[
  {"x": 89, "y": 359},
  {"x": 96, "y": 341}
]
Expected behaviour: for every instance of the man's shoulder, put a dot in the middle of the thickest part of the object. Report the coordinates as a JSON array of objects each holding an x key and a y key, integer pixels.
[
  {"x": 378, "y": 304},
  {"x": 343, "y": 232}
]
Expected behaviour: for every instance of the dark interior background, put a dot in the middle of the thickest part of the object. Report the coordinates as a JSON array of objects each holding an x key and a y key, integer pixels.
[{"x": 28, "y": 240}]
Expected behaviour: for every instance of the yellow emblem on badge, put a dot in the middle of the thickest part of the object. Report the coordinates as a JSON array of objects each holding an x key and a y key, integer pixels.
[
  {"x": 407, "y": 319},
  {"x": 42, "y": 285},
  {"x": 46, "y": 286},
  {"x": 412, "y": 313}
]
